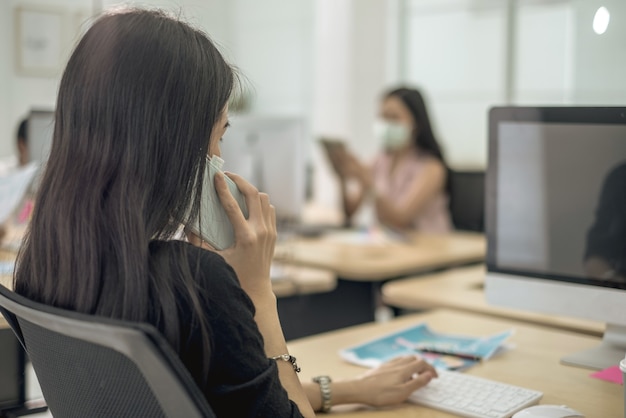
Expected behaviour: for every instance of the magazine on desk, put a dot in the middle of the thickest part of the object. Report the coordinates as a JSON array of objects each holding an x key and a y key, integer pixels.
[{"x": 443, "y": 351}]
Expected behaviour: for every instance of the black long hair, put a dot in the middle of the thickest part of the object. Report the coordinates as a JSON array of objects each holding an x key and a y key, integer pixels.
[
  {"x": 423, "y": 137},
  {"x": 136, "y": 105}
]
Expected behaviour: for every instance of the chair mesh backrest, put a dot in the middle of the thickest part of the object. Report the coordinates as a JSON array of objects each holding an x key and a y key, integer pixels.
[
  {"x": 96, "y": 367},
  {"x": 81, "y": 379}
]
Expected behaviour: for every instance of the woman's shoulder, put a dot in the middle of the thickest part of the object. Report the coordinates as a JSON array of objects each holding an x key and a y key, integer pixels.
[
  {"x": 160, "y": 248},
  {"x": 209, "y": 268},
  {"x": 423, "y": 162}
]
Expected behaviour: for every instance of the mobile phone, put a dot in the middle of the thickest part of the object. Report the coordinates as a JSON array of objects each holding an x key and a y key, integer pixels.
[{"x": 213, "y": 225}]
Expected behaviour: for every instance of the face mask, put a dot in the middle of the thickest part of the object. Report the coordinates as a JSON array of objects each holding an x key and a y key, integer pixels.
[{"x": 392, "y": 135}]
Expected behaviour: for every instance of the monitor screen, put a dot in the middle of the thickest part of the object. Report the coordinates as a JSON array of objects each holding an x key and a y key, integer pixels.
[
  {"x": 39, "y": 132},
  {"x": 270, "y": 152},
  {"x": 556, "y": 214},
  {"x": 561, "y": 201}
]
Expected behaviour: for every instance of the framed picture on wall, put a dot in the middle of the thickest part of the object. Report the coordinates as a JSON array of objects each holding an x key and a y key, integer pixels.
[{"x": 39, "y": 40}]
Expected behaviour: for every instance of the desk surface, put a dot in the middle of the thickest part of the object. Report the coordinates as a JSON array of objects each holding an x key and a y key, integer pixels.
[
  {"x": 365, "y": 261},
  {"x": 462, "y": 289},
  {"x": 297, "y": 280},
  {"x": 533, "y": 363}
]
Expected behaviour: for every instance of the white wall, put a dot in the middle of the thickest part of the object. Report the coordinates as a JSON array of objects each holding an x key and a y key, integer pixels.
[
  {"x": 19, "y": 92},
  {"x": 455, "y": 53},
  {"x": 272, "y": 44},
  {"x": 354, "y": 40},
  {"x": 212, "y": 16},
  {"x": 600, "y": 60},
  {"x": 460, "y": 52},
  {"x": 544, "y": 53}
]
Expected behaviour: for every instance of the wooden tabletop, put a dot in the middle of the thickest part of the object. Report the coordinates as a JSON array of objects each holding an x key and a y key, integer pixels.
[
  {"x": 354, "y": 258},
  {"x": 532, "y": 363},
  {"x": 297, "y": 280},
  {"x": 462, "y": 289}
]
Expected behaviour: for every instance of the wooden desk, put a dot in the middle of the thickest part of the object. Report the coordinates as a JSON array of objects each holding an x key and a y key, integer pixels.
[
  {"x": 462, "y": 289},
  {"x": 533, "y": 363},
  {"x": 303, "y": 281},
  {"x": 362, "y": 263},
  {"x": 382, "y": 261}
]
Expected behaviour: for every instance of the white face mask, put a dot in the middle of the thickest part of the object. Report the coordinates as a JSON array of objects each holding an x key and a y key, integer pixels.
[{"x": 392, "y": 135}]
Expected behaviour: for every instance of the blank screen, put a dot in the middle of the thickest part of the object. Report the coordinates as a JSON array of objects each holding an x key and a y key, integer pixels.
[{"x": 561, "y": 205}]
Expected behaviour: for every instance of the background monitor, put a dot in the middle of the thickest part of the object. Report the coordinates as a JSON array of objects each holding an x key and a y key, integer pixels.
[
  {"x": 39, "y": 132},
  {"x": 556, "y": 218},
  {"x": 270, "y": 152}
]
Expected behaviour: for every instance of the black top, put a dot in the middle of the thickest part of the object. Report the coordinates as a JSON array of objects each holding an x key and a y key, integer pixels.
[{"x": 242, "y": 381}]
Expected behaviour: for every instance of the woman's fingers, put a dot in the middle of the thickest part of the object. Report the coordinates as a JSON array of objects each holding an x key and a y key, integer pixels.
[
  {"x": 227, "y": 200},
  {"x": 419, "y": 381},
  {"x": 250, "y": 193},
  {"x": 404, "y": 360}
]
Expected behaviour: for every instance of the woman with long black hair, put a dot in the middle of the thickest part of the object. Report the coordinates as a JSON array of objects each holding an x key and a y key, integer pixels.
[{"x": 142, "y": 102}]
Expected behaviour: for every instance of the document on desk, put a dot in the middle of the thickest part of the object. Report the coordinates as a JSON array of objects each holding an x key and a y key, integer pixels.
[
  {"x": 13, "y": 187},
  {"x": 443, "y": 351}
]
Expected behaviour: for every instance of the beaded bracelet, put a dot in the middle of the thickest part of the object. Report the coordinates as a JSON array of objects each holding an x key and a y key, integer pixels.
[{"x": 291, "y": 359}]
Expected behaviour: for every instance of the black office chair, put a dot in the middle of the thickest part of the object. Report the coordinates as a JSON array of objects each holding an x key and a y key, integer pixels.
[
  {"x": 467, "y": 200},
  {"x": 95, "y": 367}
]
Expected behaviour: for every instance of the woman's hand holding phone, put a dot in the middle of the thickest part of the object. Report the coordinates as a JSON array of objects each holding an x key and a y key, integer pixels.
[
  {"x": 255, "y": 237},
  {"x": 251, "y": 257}
]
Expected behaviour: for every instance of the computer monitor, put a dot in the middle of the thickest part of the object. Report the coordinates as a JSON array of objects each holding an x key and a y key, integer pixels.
[
  {"x": 270, "y": 152},
  {"x": 39, "y": 132},
  {"x": 556, "y": 218}
]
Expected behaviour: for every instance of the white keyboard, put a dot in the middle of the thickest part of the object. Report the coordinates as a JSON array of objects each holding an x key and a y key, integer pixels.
[{"x": 474, "y": 397}]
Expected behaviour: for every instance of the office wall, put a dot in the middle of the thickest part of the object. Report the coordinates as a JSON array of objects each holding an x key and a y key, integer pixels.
[
  {"x": 472, "y": 54},
  {"x": 19, "y": 92},
  {"x": 212, "y": 16},
  {"x": 600, "y": 60},
  {"x": 272, "y": 44},
  {"x": 544, "y": 49},
  {"x": 455, "y": 51},
  {"x": 355, "y": 61}
]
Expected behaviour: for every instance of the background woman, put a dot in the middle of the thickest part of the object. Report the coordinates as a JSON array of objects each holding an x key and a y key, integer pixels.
[{"x": 408, "y": 179}]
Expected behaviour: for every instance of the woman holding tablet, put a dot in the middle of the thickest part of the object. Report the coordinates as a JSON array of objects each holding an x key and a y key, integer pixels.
[{"x": 407, "y": 182}]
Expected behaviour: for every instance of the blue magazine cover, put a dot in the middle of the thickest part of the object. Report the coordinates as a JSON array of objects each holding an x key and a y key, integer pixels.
[{"x": 443, "y": 351}]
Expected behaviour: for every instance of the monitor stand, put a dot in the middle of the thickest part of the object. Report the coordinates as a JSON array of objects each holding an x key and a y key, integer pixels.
[{"x": 609, "y": 353}]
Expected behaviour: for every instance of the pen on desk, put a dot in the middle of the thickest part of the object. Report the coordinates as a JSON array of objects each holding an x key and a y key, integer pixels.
[{"x": 448, "y": 353}]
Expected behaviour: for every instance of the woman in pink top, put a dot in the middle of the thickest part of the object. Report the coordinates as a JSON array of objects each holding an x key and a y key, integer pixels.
[{"x": 409, "y": 178}]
